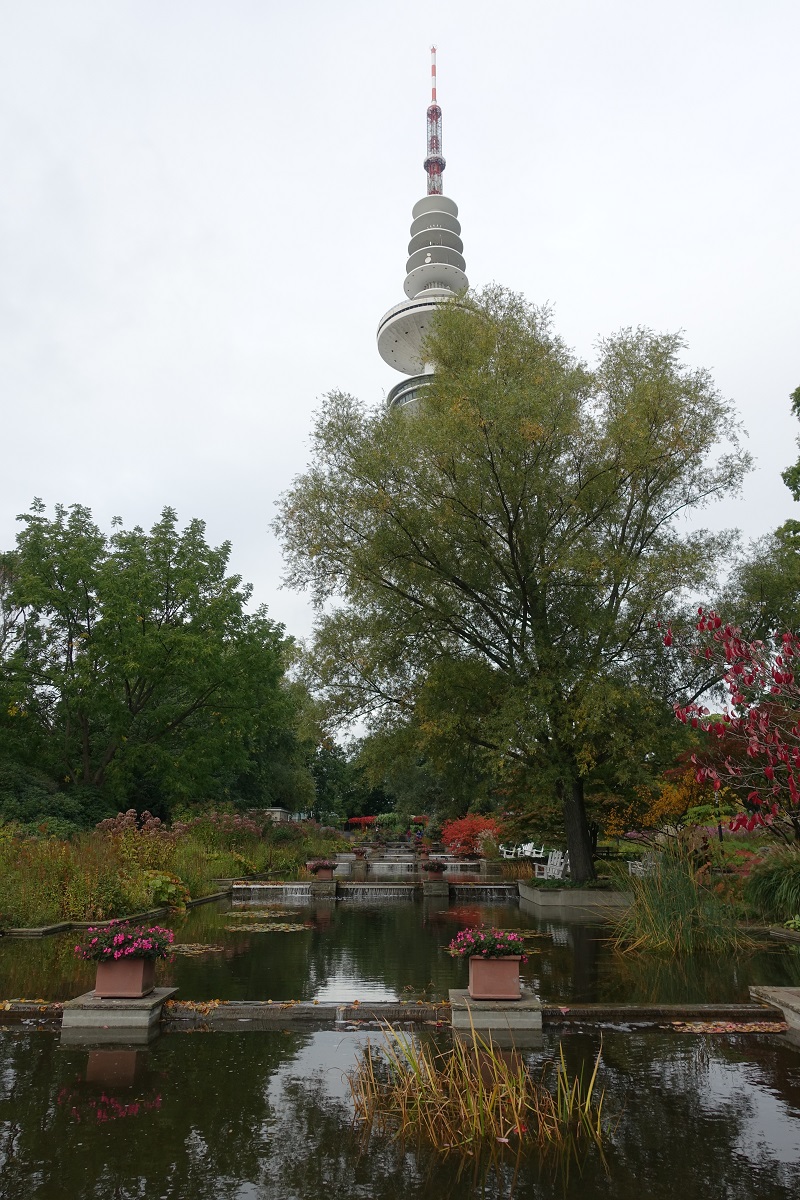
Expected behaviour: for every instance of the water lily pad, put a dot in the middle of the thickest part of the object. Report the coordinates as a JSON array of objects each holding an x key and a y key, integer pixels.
[
  {"x": 195, "y": 949},
  {"x": 258, "y": 913},
  {"x": 277, "y": 927}
]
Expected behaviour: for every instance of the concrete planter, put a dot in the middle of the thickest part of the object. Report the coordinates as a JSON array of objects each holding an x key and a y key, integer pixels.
[
  {"x": 435, "y": 887},
  {"x": 125, "y": 978},
  {"x": 579, "y": 902},
  {"x": 494, "y": 978}
]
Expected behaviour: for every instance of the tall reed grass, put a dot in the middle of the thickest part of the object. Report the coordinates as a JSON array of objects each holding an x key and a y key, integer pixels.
[
  {"x": 472, "y": 1096},
  {"x": 519, "y": 869},
  {"x": 674, "y": 913}
]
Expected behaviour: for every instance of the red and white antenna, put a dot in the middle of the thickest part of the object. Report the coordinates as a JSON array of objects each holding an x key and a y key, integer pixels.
[{"x": 434, "y": 164}]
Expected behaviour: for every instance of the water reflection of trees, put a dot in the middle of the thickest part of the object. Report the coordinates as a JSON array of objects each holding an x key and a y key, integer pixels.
[
  {"x": 256, "y": 1116},
  {"x": 401, "y": 946}
]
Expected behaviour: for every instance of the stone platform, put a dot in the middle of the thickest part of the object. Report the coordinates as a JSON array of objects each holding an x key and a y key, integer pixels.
[
  {"x": 88, "y": 1018},
  {"x": 494, "y": 1016},
  {"x": 785, "y": 998}
]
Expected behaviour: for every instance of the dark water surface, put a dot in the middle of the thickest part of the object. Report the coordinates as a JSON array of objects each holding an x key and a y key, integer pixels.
[
  {"x": 350, "y": 950},
  {"x": 267, "y": 1116}
]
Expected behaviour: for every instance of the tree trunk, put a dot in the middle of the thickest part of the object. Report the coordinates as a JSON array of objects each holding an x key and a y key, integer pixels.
[{"x": 581, "y": 864}]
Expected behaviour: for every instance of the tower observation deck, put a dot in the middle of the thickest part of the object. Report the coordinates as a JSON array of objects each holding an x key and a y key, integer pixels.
[{"x": 435, "y": 270}]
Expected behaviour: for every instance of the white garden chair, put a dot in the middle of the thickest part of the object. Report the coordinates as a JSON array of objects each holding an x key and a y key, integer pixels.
[{"x": 556, "y": 867}]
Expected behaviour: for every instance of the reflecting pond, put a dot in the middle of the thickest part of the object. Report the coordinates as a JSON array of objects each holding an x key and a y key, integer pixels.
[
  {"x": 340, "y": 951},
  {"x": 263, "y": 1116}
]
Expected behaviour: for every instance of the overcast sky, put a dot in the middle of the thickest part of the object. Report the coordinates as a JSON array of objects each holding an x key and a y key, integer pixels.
[{"x": 205, "y": 205}]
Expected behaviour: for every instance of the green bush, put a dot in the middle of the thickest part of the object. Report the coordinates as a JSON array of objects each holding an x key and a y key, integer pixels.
[
  {"x": 773, "y": 887},
  {"x": 279, "y": 835}
]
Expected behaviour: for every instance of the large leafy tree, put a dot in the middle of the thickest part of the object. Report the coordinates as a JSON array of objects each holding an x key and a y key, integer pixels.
[
  {"x": 131, "y": 670},
  {"x": 499, "y": 557}
]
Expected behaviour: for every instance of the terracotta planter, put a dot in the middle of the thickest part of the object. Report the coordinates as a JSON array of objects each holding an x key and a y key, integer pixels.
[
  {"x": 324, "y": 873},
  {"x": 125, "y": 978},
  {"x": 495, "y": 978}
]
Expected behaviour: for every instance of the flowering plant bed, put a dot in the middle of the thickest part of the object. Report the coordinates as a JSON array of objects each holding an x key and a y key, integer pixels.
[
  {"x": 120, "y": 940},
  {"x": 488, "y": 943},
  {"x": 433, "y": 866}
]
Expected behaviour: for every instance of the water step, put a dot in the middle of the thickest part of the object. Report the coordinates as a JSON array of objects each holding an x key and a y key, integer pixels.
[{"x": 378, "y": 891}]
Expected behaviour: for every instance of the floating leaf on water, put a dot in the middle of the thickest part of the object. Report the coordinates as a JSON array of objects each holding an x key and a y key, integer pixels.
[
  {"x": 195, "y": 949},
  {"x": 255, "y": 914},
  {"x": 284, "y": 927},
  {"x": 729, "y": 1026}
]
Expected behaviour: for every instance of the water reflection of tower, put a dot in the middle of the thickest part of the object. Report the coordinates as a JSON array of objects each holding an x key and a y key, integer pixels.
[{"x": 435, "y": 270}]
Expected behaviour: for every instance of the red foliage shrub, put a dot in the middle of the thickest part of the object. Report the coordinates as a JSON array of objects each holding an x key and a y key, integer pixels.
[{"x": 466, "y": 834}]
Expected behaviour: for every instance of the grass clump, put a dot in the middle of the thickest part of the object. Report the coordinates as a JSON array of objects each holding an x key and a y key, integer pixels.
[
  {"x": 472, "y": 1096},
  {"x": 773, "y": 886},
  {"x": 673, "y": 912}
]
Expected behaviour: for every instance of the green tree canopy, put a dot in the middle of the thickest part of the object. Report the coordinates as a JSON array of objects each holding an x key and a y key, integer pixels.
[
  {"x": 500, "y": 555},
  {"x": 791, "y": 476},
  {"x": 132, "y": 672},
  {"x": 762, "y": 595}
]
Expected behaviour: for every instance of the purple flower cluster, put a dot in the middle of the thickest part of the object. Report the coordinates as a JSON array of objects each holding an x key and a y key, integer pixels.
[
  {"x": 119, "y": 939},
  {"x": 487, "y": 943}
]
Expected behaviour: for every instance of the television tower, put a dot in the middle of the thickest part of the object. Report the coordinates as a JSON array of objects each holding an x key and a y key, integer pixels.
[{"x": 434, "y": 271}]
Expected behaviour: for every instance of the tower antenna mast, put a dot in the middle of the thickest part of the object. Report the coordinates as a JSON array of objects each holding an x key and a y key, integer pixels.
[{"x": 434, "y": 164}]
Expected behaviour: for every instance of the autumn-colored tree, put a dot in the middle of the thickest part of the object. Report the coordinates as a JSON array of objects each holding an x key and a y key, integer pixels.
[{"x": 753, "y": 747}]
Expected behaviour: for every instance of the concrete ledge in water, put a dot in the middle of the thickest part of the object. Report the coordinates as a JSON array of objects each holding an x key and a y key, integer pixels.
[
  {"x": 38, "y": 931},
  {"x": 494, "y": 1016},
  {"x": 591, "y": 902},
  {"x": 784, "y": 998},
  {"x": 227, "y": 1014},
  {"x": 129, "y": 1019},
  {"x": 655, "y": 1014},
  {"x": 266, "y": 1014},
  {"x": 262, "y": 1014}
]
